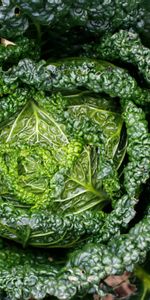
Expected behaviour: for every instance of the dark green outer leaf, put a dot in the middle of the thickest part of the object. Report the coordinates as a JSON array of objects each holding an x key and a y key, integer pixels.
[
  {"x": 45, "y": 229},
  {"x": 22, "y": 275},
  {"x": 127, "y": 47},
  {"x": 136, "y": 172},
  {"x": 70, "y": 74},
  {"x": 22, "y": 48},
  {"x": 16, "y": 16}
]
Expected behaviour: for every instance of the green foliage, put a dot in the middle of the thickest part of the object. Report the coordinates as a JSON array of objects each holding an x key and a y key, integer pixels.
[
  {"x": 37, "y": 275},
  {"x": 126, "y": 47},
  {"x": 136, "y": 172},
  {"x": 142, "y": 283},
  {"x": 71, "y": 74},
  {"x": 13, "y": 101},
  {"x": 45, "y": 164},
  {"x": 74, "y": 148},
  {"x": 17, "y": 16},
  {"x": 20, "y": 49}
]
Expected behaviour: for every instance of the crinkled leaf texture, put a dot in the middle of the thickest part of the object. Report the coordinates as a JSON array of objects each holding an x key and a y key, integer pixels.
[
  {"x": 39, "y": 158},
  {"x": 44, "y": 166}
]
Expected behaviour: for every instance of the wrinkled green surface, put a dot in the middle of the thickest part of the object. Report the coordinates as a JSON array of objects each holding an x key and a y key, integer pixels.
[
  {"x": 81, "y": 187},
  {"x": 95, "y": 16},
  {"x": 74, "y": 148},
  {"x": 20, "y": 49},
  {"x": 46, "y": 164},
  {"x": 35, "y": 275},
  {"x": 70, "y": 74},
  {"x": 13, "y": 102},
  {"x": 126, "y": 47},
  {"x": 136, "y": 172}
]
